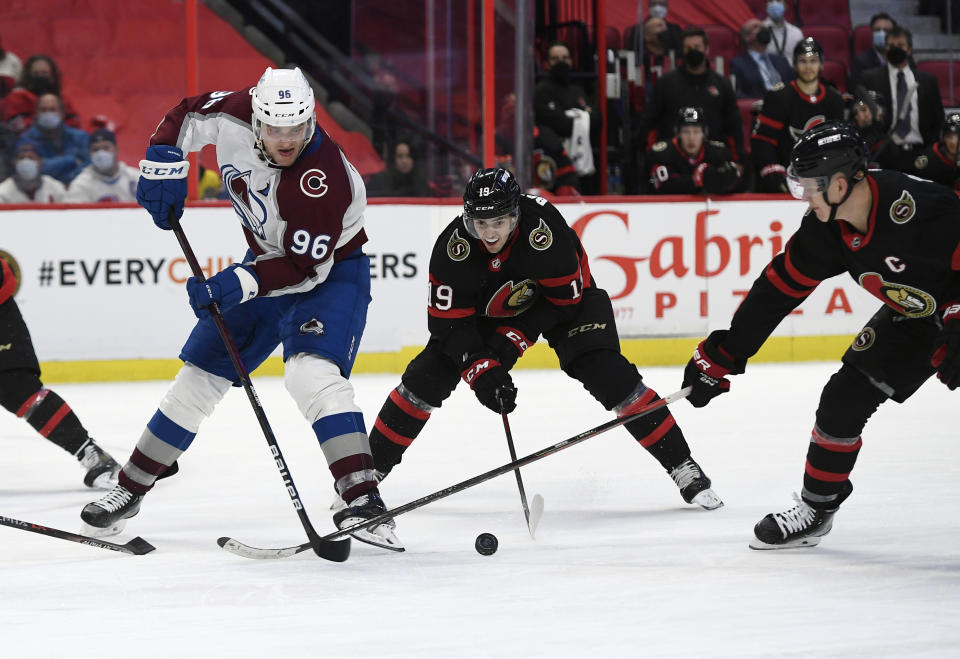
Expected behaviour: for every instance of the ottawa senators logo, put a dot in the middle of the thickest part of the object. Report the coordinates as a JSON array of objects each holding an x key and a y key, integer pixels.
[
  {"x": 15, "y": 267},
  {"x": 512, "y": 299},
  {"x": 541, "y": 238},
  {"x": 457, "y": 248},
  {"x": 907, "y": 300},
  {"x": 864, "y": 339},
  {"x": 921, "y": 162},
  {"x": 903, "y": 209},
  {"x": 815, "y": 120}
]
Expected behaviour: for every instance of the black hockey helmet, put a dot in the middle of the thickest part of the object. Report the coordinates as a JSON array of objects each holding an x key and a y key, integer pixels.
[
  {"x": 951, "y": 124},
  {"x": 832, "y": 147},
  {"x": 490, "y": 193},
  {"x": 808, "y": 46},
  {"x": 691, "y": 115}
]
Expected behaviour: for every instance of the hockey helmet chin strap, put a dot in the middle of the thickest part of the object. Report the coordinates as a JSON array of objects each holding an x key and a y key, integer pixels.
[{"x": 835, "y": 207}]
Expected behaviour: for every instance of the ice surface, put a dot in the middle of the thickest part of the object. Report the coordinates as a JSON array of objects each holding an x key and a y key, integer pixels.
[{"x": 620, "y": 567}]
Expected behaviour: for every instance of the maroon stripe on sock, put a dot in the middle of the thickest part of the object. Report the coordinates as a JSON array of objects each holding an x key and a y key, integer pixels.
[{"x": 144, "y": 463}]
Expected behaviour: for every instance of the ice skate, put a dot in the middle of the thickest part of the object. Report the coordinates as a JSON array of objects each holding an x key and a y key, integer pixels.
[
  {"x": 102, "y": 470},
  {"x": 108, "y": 515},
  {"x": 801, "y": 526},
  {"x": 695, "y": 485},
  {"x": 364, "y": 507},
  {"x": 339, "y": 504}
]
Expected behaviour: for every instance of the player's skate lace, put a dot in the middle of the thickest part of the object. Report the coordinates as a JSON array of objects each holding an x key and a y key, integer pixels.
[
  {"x": 115, "y": 499},
  {"x": 796, "y": 519},
  {"x": 685, "y": 473},
  {"x": 101, "y": 468}
]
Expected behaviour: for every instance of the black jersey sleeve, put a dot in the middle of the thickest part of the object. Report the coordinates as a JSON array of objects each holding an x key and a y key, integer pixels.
[
  {"x": 765, "y": 142},
  {"x": 451, "y": 307},
  {"x": 812, "y": 255},
  {"x": 669, "y": 174},
  {"x": 721, "y": 173}
]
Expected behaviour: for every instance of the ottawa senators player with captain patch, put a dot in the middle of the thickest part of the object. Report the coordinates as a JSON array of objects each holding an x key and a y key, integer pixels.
[
  {"x": 506, "y": 271},
  {"x": 899, "y": 237},
  {"x": 789, "y": 111}
]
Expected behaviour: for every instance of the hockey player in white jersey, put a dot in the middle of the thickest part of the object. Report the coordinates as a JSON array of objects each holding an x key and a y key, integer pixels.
[{"x": 304, "y": 283}]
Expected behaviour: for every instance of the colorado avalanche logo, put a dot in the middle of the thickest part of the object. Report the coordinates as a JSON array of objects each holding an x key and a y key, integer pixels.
[
  {"x": 457, "y": 248},
  {"x": 815, "y": 120},
  {"x": 903, "y": 209},
  {"x": 512, "y": 299},
  {"x": 312, "y": 183},
  {"x": 907, "y": 300},
  {"x": 251, "y": 210},
  {"x": 541, "y": 238},
  {"x": 864, "y": 339},
  {"x": 312, "y": 326}
]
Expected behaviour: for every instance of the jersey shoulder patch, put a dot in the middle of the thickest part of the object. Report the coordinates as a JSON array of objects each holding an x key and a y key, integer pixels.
[
  {"x": 718, "y": 143},
  {"x": 659, "y": 146},
  {"x": 921, "y": 162},
  {"x": 458, "y": 248},
  {"x": 541, "y": 237}
]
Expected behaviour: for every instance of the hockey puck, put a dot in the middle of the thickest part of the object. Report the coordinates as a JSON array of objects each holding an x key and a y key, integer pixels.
[{"x": 486, "y": 544}]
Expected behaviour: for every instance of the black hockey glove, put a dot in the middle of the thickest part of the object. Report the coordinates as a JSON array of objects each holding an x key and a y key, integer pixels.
[
  {"x": 773, "y": 178},
  {"x": 946, "y": 348},
  {"x": 491, "y": 382},
  {"x": 706, "y": 372},
  {"x": 509, "y": 344},
  {"x": 720, "y": 178}
]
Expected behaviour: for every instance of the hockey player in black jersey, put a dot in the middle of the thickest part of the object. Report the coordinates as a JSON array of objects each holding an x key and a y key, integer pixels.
[
  {"x": 506, "y": 271},
  {"x": 690, "y": 163},
  {"x": 788, "y": 112},
  {"x": 938, "y": 162},
  {"x": 899, "y": 237},
  {"x": 22, "y": 393}
]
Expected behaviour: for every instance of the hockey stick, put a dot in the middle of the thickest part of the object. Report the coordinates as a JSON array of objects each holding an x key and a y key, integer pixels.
[
  {"x": 138, "y": 546},
  {"x": 330, "y": 549},
  {"x": 533, "y": 518},
  {"x": 247, "y": 551}
]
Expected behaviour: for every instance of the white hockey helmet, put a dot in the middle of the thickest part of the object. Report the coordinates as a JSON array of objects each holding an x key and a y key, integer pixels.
[{"x": 282, "y": 97}]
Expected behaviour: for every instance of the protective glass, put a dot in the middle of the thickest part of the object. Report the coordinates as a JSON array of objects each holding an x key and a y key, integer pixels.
[
  {"x": 502, "y": 225},
  {"x": 277, "y": 134},
  {"x": 804, "y": 188}
]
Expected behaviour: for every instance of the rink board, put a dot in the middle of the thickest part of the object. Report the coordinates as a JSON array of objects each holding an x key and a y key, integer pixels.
[{"x": 102, "y": 289}]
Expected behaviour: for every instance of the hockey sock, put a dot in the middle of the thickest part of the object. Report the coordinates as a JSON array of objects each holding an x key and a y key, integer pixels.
[
  {"x": 343, "y": 439},
  {"x": 401, "y": 419},
  {"x": 657, "y": 431},
  {"x": 24, "y": 395},
  {"x": 162, "y": 442}
]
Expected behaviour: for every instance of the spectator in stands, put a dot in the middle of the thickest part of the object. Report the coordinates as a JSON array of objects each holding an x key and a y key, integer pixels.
[
  {"x": 938, "y": 162},
  {"x": 401, "y": 178},
  {"x": 660, "y": 9},
  {"x": 65, "y": 150},
  {"x": 875, "y": 55},
  {"x": 209, "y": 184},
  {"x": 784, "y": 36},
  {"x": 105, "y": 178},
  {"x": 10, "y": 71},
  {"x": 689, "y": 163},
  {"x": 693, "y": 84},
  {"x": 757, "y": 71},
  {"x": 560, "y": 106},
  {"x": 867, "y": 116},
  {"x": 659, "y": 51},
  {"x": 788, "y": 112},
  {"x": 28, "y": 185},
  {"x": 40, "y": 76},
  {"x": 912, "y": 103}
]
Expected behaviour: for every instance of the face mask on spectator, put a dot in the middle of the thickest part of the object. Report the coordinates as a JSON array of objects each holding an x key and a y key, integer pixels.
[
  {"x": 40, "y": 85},
  {"x": 560, "y": 72},
  {"x": 666, "y": 40},
  {"x": 896, "y": 55},
  {"x": 763, "y": 36},
  {"x": 694, "y": 58},
  {"x": 27, "y": 169},
  {"x": 103, "y": 160},
  {"x": 775, "y": 11},
  {"x": 658, "y": 10},
  {"x": 48, "y": 120},
  {"x": 879, "y": 39}
]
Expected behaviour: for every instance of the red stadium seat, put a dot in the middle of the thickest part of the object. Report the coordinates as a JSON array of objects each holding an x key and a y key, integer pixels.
[
  {"x": 723, "y": 41},
  {"x": 862, "y": 38},
  {"x": 836, "y": 73},
  {"x": 747, "y": 117},
  {"x": 835, "y": 41},
  {"x": 612, "y": 35},
  {"x": 824, "y": 12},
  {"x": 759, "y": 9},
  {"x": 941, "y": 69}
]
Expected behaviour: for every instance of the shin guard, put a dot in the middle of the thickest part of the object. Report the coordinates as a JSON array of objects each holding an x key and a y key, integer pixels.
[{"x": 400, "y": 420}]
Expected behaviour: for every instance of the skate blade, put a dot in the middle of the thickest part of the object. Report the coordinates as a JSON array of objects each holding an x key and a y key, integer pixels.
[
  {"x": 102, "y": 532},
  {"x": 381, "y": 535},
  {"x": 812, "y": 541},
  {"x": 708, "y": 500}
]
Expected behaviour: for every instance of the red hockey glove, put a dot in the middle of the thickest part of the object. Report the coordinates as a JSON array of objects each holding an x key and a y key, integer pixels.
[
  {"x": 491, "y": 382},
  {"x": 946, "y": 348},
  {"x": 706, "y": 372}
]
